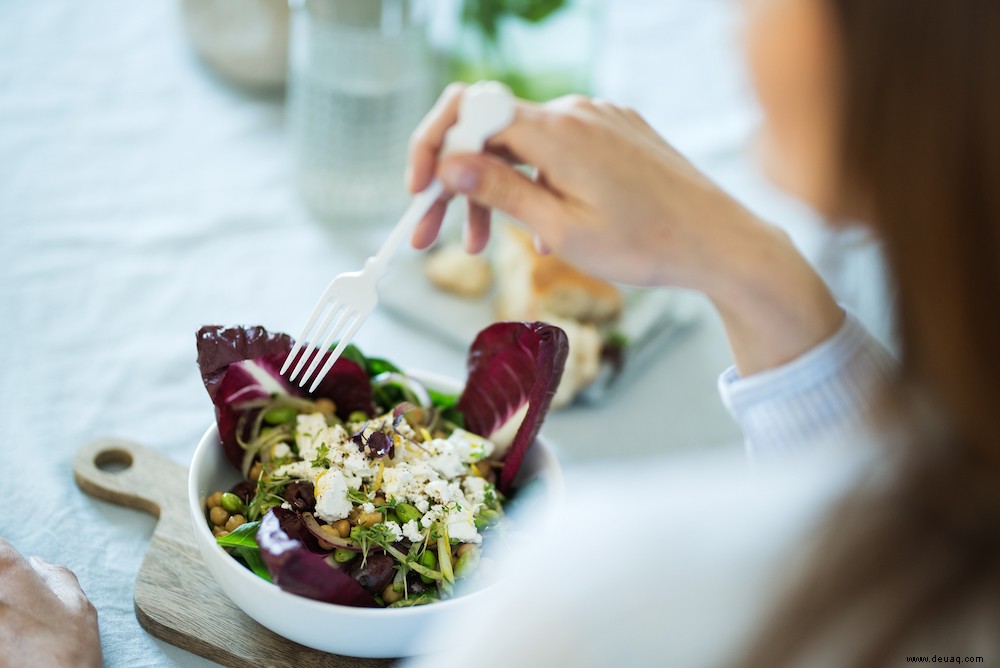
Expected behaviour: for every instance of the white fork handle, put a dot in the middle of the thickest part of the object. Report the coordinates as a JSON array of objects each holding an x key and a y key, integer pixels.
[{"x": 419, "y": 206}]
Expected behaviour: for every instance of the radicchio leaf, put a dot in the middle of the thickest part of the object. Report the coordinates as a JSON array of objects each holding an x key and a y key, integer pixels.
[
  {"x": 239, "y": 364},
  {"x": 512, "y": 364},
  {"x": 298, "y": 571}
]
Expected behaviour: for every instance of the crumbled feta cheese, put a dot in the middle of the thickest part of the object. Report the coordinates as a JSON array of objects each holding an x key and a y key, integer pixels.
[
  {"x": 310, "y": 433},
  {"x": 394, "y": 529},
  {"x": 444, "y": 492},
  {"x": 433, "y": 476},
  {"x": 412, "y": 531},
  {"x": 470, "y": 447},
  {"x": 443, "y": 456},
  {"x": 332, "y": 503},
  {"x": 357, "y": 463},
  {"x": 431, "y": 515},
  {"x": 462, "y": 526},
  {"x": 475, "y": 489},
  {"x": 280, "y": 451},
  {"x": 301, "y": 470}
]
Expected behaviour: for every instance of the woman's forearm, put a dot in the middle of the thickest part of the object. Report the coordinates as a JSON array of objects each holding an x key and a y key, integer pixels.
[{"x": 773, "y": 304}]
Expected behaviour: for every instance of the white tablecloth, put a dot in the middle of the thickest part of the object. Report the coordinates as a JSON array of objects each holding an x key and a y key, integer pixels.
[{"x": 141, "y": 198}]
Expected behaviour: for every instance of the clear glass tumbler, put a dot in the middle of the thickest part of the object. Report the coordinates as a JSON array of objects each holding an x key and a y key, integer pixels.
[{"x": 361, "y": 78}]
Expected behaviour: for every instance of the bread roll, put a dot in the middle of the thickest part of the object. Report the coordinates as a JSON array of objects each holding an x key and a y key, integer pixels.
[
  {"x": 453, "y": 270},
  {"x": 533, "y": 286}
]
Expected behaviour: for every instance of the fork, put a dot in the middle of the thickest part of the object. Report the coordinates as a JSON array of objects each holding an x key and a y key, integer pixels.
[{"x": 486, "y": 108}]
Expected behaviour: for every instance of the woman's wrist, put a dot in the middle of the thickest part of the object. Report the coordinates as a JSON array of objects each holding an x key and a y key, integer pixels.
[{"x": 773, "y": 304}]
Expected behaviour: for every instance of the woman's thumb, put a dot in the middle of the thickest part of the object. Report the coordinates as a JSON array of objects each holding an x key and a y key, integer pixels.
[{"x": 495, "y": 183}]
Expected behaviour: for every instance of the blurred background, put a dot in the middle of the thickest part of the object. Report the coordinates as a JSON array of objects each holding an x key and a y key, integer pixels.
[{"x": 167, "y": 164}]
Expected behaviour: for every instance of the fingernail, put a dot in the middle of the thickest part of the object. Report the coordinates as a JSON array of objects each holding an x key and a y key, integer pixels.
[
  {"x": 540, "y": 246},
  {"x": 459, "y": 178}
]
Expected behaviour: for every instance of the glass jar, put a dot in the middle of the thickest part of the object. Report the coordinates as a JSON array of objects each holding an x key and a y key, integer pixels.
[{"x": 361, "y": 79}]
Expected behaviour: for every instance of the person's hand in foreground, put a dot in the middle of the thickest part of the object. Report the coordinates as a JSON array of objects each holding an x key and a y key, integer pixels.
[
  {"x": 45, "y": 618},
  {"x": 616, "y": 200}
]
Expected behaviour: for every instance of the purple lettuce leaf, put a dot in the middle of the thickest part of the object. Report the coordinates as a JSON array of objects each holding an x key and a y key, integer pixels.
[
  {"x": 512, "y": 364},
  {"x": 239, "y": 364},
  {"x": 299, "y": 571}
]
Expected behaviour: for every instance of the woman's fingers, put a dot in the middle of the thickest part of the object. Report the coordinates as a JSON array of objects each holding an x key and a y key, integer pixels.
[
  {"x": 427, "y": 139},
  {"x": 477, "y": 228},
  {"x": 427, "y": 229},
  {"x": 494, "y": 183},
  {"x": 62, "y": 582}
]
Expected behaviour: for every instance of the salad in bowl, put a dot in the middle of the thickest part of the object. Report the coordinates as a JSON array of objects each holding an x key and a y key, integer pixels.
[{"x": 379, "y": 490}]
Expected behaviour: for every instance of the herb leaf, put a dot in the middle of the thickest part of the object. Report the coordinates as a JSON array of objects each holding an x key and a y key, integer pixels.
[
  {"x": 322, "y": 459},
  {"x": 251, "y": 556},
  {"x": 245, "y": 535}
]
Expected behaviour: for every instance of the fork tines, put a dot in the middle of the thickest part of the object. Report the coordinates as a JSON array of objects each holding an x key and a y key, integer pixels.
[{"x": 312, "y": 353}]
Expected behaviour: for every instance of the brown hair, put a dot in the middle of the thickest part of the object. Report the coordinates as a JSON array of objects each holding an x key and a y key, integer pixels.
[{"x": 921, "y": 156}]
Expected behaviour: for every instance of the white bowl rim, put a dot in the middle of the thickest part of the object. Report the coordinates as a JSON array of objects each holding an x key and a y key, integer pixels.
[{"x": 210, "y": 439}]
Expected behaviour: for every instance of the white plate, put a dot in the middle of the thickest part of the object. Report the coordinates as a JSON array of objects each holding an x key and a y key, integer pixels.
[{"x": 650, "y": 319}]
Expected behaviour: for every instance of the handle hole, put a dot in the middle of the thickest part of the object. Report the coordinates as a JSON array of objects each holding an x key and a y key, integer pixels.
[{"x": 113, "y": 461}]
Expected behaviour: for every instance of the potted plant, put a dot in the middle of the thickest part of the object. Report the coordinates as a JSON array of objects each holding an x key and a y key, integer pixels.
[{"x": 540, "y": 48}]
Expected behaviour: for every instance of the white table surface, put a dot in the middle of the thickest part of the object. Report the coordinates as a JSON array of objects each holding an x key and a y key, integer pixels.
[{"x": 141, "y": 198}]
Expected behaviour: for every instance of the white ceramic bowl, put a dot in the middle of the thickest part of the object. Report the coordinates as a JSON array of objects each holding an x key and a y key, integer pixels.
[{"x": 363, "y": 632}]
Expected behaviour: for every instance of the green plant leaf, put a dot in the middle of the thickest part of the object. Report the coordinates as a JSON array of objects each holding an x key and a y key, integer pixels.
[
  {"x": 377, "y": 365},
  {"x": 244, "y": 535},
  {"x": 535, "y": 11},
  {"x": 251, "y": 556}
]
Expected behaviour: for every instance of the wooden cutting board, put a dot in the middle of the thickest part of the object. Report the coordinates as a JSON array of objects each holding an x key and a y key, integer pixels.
[{"x": 176, "y": 598}]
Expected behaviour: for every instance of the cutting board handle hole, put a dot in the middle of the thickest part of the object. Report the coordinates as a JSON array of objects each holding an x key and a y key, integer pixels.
[{"x": 113, "y": 461}]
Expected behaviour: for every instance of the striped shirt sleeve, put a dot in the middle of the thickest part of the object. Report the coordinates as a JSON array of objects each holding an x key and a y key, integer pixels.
[{"x": 823, "y": 395}]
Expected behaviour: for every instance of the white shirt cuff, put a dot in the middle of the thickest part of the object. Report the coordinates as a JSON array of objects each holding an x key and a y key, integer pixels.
[{"x": 825, "y": 393}]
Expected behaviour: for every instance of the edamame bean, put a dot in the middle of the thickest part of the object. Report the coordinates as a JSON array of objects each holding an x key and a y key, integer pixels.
[
  {"x": 232, "y": 503},
  {"x": 280, "y": 415},
  {"x": 486, "y": 518},
  {"x": 343, "y": 556},
  {"x": 357, "y": 416},
  {"x": 467, "y": 563},
  {"x": 430, "y": 561},
  {"x": 405, "y": 512}
]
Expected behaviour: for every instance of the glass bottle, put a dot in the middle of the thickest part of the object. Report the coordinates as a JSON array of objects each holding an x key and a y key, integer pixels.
[{"x": 361, "y": 78}]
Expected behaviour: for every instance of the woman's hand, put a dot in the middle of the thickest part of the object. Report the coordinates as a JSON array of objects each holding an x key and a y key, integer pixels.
[
  {"x": 610, "y": 195},
  {"x": 45, "y": 618},
  {"x": 613, "y": 198}
]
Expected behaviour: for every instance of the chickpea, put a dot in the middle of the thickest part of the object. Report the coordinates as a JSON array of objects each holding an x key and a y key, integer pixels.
[
  {"x": 343, "y": 528},
  {"x": 416, "y": 418},
  {"x": 218, "y": 515},
  {"x": 352, "y": 516},
  {"x": 219, "y": 532},
  {"x": 390, "y": 595},
  {"x": 235, "y": 521},
  {"x": 256, "y": 470},
  {"x": 464, "y": 548},
  {"x": 369, "y": 519},
  {"x": 214, "y": 501},
  {"x": 326, "y": 406}
]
